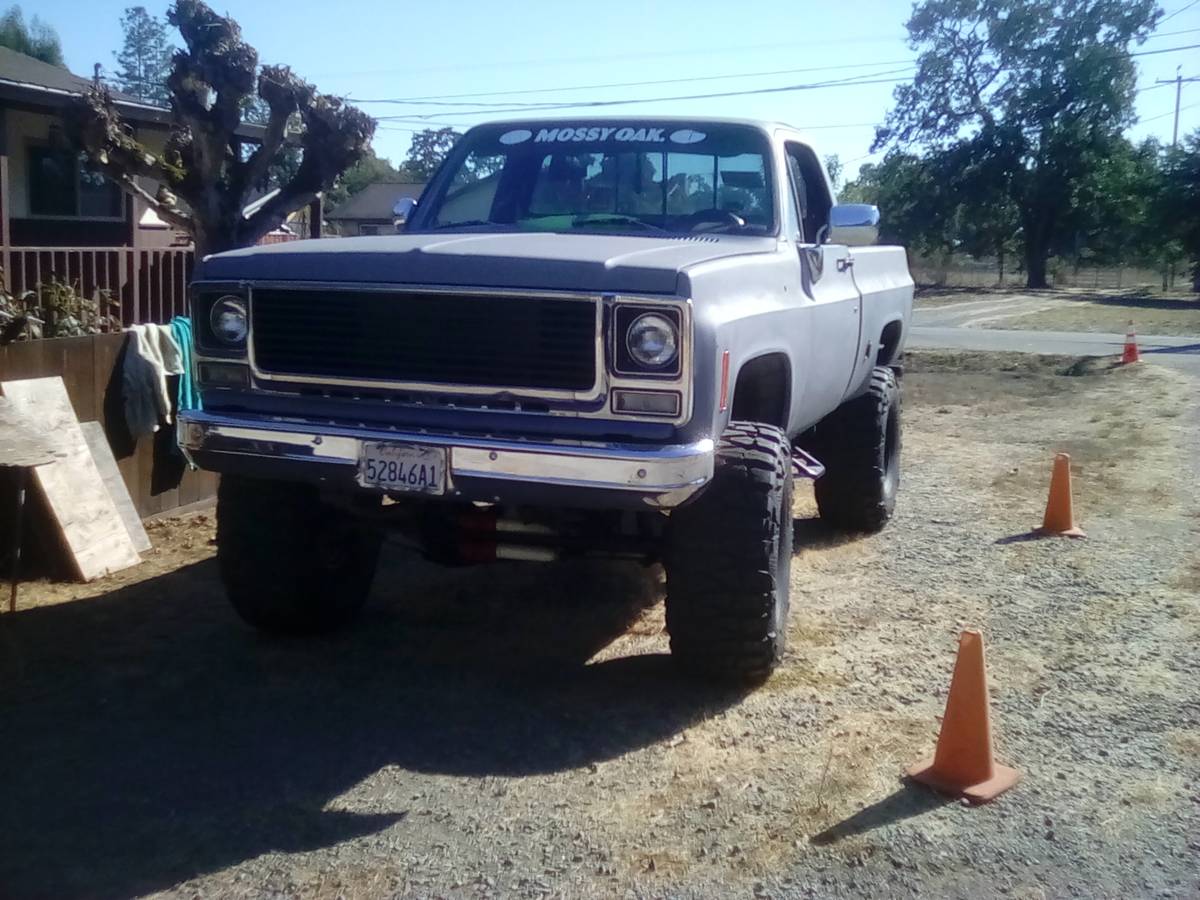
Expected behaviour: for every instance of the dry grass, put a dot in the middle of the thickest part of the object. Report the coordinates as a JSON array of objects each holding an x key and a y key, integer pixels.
[
  {"x": 1112, "y": 313},
  {"x": 1185, "y": 743},
  {"x": 1190, "y": 580}
]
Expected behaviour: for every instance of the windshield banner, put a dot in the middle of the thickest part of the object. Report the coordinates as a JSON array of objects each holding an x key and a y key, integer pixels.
[{"x": 595, "y": 134}]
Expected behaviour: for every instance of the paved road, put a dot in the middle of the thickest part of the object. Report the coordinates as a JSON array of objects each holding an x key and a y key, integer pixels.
[{"x": 1178, "y": 352}]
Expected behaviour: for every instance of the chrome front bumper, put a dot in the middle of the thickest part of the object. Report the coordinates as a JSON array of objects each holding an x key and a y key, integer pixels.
[{"x": 571, "y": 473}]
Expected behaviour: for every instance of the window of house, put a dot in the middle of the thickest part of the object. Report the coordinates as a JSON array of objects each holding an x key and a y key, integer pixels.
[
  {"x": 368, "y": 229},
  {"x": 61, "y": 183}
]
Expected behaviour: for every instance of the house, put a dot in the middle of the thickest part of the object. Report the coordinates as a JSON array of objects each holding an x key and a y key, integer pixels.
[
  {"x": 372, "y": 210},
  {"x": 62, "y": 220}
]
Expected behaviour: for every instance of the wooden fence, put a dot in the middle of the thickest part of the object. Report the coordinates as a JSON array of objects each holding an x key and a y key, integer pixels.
[
  {"x": 156, "y": 476},
  {"x": 149, "y": 284}
]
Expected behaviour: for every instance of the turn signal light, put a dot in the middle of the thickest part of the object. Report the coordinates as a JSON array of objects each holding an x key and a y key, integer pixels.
[
  {"x": 226, "y": 375},
  {"x": 646, "y": 403}
]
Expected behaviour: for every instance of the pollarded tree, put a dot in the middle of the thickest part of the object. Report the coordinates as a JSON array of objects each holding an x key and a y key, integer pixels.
[
  {"x": 205, "y": 175},
  {"x": 1045, "y": 84}
]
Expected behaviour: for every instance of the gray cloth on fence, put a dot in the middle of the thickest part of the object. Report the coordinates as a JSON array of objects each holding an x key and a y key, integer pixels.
[{"x": 150, "y": 356}]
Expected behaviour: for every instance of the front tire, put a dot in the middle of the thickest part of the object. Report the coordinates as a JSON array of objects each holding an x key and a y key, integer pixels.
[
  {"x": 859, "y": 444},
  {"x": 291, "y": 564},
  {"x": 728, "y": 561}
]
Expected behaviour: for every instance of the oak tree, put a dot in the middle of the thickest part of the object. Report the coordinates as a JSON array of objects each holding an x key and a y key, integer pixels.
[{"x": 1038, "y": 87}]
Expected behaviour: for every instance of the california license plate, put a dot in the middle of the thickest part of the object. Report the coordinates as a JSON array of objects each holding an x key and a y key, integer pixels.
[{"x": 402, "y": 467}]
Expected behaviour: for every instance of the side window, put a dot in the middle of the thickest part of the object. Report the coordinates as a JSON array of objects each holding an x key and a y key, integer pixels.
[
  {"x": 808, "y": 186},
  {"x": 797, "y": 190},
  {"x": 473, "y": 189}
]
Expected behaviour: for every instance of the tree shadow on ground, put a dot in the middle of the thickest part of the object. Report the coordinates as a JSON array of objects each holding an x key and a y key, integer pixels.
[
  {"x": 149, "y": 737},
  {"x": 1138, "y": 300},
  {"x": 907, "y": 802},
  {"x": 1186, "y": 348}
]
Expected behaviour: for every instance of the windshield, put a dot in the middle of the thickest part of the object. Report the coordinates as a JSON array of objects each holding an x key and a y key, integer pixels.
[{"x": 607, "y": 177}]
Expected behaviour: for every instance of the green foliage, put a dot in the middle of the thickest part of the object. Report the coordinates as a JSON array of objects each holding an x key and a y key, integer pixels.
[
  {"x": 56, "y": 308},
  {"x": 37, "y": 40},
  {"x": 1028, "y": 95},
  {"x": 428, "y": 149},
  {"x": 833, "y": 166},
  {"x": 911, "y": 200},
  {"x": 145, "y": 58},
  {"x": 1179, "y": 204},
  {"x": 368, "y": 170}
]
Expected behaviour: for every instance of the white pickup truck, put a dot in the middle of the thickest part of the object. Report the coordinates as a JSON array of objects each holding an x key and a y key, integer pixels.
[{"x": 603, "y": 337}]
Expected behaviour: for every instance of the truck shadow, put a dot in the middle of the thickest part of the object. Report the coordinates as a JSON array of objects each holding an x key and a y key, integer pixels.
[{"x": 149, "y": 737}]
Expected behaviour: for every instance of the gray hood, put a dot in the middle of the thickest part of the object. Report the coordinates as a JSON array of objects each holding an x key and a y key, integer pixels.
[{"x": 587, "y": 262}]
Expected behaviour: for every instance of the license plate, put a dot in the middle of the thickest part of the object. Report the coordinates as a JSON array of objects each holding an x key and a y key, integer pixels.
[{"x": 402, "y": 467}]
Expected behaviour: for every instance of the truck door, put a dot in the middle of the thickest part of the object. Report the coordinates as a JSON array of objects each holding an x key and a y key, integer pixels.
[{"x": 827, "y": 280}]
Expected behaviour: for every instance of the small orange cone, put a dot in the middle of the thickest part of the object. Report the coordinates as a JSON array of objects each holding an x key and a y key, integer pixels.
[
  {"x": 1130, "y": 354},
  {"x": 962, "y": 764},
  {"x": 1060, "y": 515}
]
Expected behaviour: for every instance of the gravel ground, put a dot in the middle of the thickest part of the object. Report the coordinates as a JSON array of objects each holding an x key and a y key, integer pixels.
[{"x": 518, "y": 731}]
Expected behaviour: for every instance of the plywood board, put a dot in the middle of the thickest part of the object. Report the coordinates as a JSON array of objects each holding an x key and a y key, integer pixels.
[
  {"x": 20, "y": 445},
  {"x": 87, "y": 518},
  {"x": 97, "y": 441}
]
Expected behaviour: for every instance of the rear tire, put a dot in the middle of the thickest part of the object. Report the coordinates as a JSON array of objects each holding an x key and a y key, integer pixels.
[
  {"x": 859, "y": 444},
  {"x": 728, "y": 561},
  {"x": 291, "y": 564}
]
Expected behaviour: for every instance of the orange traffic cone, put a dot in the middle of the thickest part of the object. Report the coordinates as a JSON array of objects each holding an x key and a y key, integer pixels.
[
  {"x": 1060, "y": 515},
  {"x": 1130, "y": 354},
  {"x": 963, "y": 765}
]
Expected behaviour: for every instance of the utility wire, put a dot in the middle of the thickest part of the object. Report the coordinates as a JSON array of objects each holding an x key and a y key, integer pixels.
[
  {"x": 594, "y": 104},
  {"x": 623, "y": 84},
  {"x": 1180, "y": 10},
  {"x": 1166, "y": 114},
  {"x": 422, "y": 100}
]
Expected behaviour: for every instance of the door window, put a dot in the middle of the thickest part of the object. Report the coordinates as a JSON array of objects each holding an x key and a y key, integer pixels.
[{"x": 809, "y": 193}]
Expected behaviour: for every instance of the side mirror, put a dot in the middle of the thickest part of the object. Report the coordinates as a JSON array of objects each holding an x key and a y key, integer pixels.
[
  {"x": 854, "y": 224},
  {"x": 403, "y": 208}
]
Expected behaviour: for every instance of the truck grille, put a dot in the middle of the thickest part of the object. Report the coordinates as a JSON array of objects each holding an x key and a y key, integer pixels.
[{"x": 453, "y": 339}]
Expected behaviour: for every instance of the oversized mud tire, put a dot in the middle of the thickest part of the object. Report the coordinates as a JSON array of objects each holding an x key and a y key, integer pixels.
[
  {"x": 728, "y": 560},
  {"x": 859, "y": 443},
  {"x": 291, "y": 564}
]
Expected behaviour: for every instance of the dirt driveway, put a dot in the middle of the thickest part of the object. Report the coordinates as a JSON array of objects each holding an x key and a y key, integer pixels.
[{"x": 518, "y": 731}]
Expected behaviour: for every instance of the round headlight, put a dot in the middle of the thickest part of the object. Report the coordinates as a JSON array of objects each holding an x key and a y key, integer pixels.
[
  {"x": 228, "y": 320},
  {"x": 652, "y": 340}
]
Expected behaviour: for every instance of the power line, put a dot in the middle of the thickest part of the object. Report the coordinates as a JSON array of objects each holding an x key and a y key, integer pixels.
[
  {"x": 623, "y": 84},
  {"x": 427, "y": 99},
  {"x": 594, "y": 104},
  {"x": 1166, "y": 114},
  {"x": 1180, "y": 10},
  {"x": 844, "y": 82},
  {"x": 610, "y": 58}
]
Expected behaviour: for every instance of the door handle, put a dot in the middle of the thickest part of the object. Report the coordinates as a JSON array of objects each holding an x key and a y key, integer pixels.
[{"x": 845, "y": 263}]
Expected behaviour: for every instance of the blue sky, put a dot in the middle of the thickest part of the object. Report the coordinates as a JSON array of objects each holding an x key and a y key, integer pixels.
[{"x": 372, "y": 51}]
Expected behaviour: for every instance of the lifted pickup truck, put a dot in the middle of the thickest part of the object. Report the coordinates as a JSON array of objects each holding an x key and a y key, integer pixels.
[{"x": 601, "y": 337}]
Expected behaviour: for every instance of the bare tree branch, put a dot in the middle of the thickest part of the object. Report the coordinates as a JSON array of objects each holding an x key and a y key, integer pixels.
[{"x": 205, "y": 182}]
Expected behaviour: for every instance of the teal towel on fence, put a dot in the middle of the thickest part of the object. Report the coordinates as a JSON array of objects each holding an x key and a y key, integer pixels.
[{"x": 189, "y": 397}]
